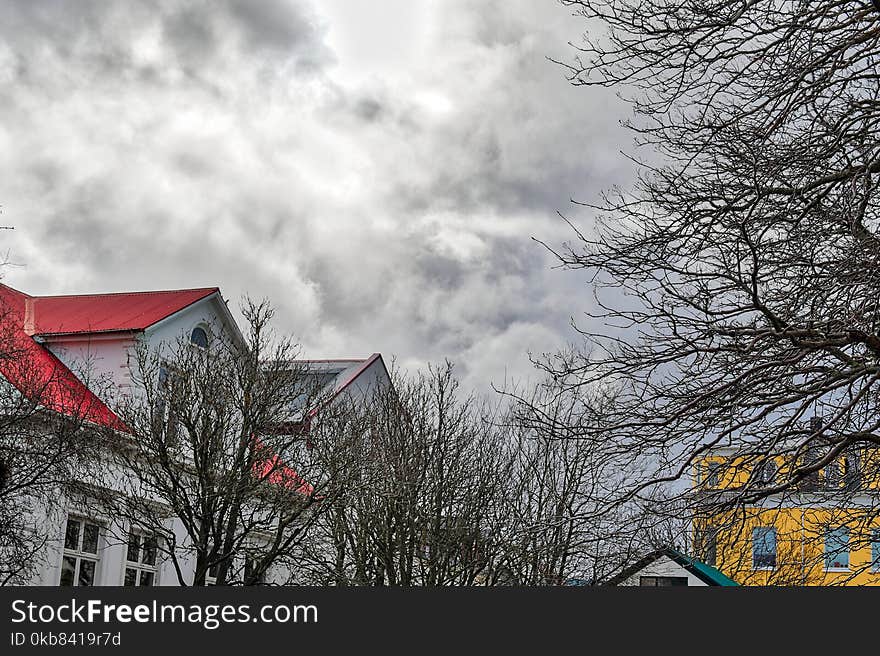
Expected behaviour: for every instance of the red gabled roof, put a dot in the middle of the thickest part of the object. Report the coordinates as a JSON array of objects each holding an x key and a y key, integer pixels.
[
  {"x": 37, "y": 373},
  {"x": 274, "y": 470},
  {"x": 99, "y": 313}
]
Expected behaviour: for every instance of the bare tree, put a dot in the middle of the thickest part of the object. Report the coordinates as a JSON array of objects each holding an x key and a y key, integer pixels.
[
  {"x": 219, "y": 468},
  {"x": 433, "y": 475},
  {"x": 47, "y": 443},
  {"x": 560, "y": 527},
  {"x": 451, "y": 490},
  {"x": 739, "y": 279}
]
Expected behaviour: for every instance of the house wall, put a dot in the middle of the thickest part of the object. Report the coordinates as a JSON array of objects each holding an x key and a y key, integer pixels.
[
  {"x": 100, "y": 362},
  {"x": 800, "y": 535},
  {"x": 104, "y": 362},
  {"x": 368, "y": 381},
  {"x": 112, "y": 550},
  {"x": 208, "y": 311}
]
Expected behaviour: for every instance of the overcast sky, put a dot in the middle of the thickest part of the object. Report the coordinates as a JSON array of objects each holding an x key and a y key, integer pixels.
[{"x": 376, "y": 169}]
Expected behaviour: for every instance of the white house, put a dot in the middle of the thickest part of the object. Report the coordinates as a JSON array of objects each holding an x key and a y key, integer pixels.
[
  {"x": 86, "y": 342},
  {"x": 669, "y": 567}
]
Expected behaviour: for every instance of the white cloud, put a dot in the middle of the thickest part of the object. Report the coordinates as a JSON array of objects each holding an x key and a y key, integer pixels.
[{"x": 377, "y": 174}]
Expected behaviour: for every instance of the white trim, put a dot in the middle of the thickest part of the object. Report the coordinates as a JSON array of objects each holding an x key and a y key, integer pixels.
[
  {"x": 225, "y": 315},
  {"x": 102, "y": 336}
]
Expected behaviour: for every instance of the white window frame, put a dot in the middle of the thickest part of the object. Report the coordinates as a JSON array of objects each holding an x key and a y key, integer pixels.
[
  {"x": 163, "y": 407},
  {"x": 211, "y": 580},
  {"x": 768, "y": 473},
  {"x": 712, "y": 474},
  {"x": 875, "y": 540},
  {"x": 248, "y": 564},
  {"x": 139, "y": 566},
  {"x": 848, "y": 549},
  {"x": 78, "y": 554},
  {"x": 766, "y": 568}
]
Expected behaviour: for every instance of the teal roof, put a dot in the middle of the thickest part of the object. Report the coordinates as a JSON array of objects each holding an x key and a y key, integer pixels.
[{"x": 701, "y": 569}]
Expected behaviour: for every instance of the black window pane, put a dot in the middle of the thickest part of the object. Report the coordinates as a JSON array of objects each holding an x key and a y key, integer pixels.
[
  {"x": 130, "y": 576},
  {"x": 648, "y": 581},
  {"x": 86, "y": 572},
  {"x": 199, "y": 337},
  {"x": 711, "y": 549},
  {"x": 68, "y": 571},
  {"x": 90, "y": 538},
  {"x": 71, "y": 535},
  {"x": 149, "y": 551},
  {"x": 134, "y": 548},
  {"x": 147, "y": 578},
  {"x": 765, "y": 560}
]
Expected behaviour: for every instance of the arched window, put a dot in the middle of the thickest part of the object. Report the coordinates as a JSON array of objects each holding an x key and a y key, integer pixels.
[{"x": 199, "y": 337}]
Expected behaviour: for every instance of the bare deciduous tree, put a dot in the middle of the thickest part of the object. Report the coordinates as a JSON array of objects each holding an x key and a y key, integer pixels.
[
  {"x": 220, "y": 438},
  {"x": 739, "y": 279},
  {"x": 431, "y": 482}
]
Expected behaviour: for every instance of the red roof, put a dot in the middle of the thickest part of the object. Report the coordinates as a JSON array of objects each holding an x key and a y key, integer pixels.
[
  {"x": 37, "y": 373},
  {"x": 98, "y": 313}
]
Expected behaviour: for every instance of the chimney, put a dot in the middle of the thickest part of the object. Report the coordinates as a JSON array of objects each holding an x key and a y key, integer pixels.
[
  {"x": 29, "y": 316},
  {"x": 816, "y": 423}
]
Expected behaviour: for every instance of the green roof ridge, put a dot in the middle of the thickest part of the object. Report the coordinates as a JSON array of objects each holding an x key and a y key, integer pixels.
[{"x": 715, "y": 575}]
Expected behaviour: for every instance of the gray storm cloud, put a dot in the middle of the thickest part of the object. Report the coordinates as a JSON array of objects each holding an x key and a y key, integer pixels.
[{"x": 383, "y": 208}]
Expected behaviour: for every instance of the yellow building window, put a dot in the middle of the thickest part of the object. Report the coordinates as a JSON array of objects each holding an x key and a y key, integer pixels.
[
  {"x": 764, "y": 547},
  {"x": 837, "y": 548}
]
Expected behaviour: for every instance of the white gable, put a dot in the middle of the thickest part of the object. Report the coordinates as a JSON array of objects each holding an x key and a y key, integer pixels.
[
  {"x": 666, "y": 567},
  {"x": 210, "y": 312}
]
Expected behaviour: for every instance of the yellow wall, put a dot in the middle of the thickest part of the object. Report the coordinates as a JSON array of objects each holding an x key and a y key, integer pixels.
[{"x": 800, "y": 533}]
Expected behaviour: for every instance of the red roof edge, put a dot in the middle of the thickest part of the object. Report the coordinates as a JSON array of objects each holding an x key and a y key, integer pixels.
[{"x": 276, "y": 471}]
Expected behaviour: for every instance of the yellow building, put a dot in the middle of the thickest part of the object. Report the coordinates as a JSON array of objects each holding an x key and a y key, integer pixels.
[{"x": 753, "y": 527}]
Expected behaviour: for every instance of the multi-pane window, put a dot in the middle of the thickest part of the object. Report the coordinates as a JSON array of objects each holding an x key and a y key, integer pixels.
[
  {"x": 164, "y": 419},
  {"x": 712, "y": 475},
  {"x": 852, "y": 471},
  {"x": 833, "y": 476},
  {"x": 140, "y": 560},
  {"x": 707, "y": 545},
  {"x": 80, "y": 559},
  {"x": 810, "y": 481},
  {"x": 211, "y": 576},
  {"x": 250, "y": 566},
  {"x": 875, "y": 550},
  {"x": 837, "y": 548},
  {"x": 662, "y": 581},
  {"x": 767, "y": 472},
  {"x": 764, "y": 547},
  {"x": 199, "y": 337}
]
